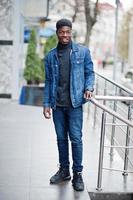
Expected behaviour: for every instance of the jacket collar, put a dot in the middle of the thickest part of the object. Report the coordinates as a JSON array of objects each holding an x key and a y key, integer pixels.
[{"x": 75, "y": 47}]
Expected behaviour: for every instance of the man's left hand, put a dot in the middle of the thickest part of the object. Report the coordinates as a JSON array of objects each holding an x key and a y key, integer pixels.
[{"x": 87, "y": 94}]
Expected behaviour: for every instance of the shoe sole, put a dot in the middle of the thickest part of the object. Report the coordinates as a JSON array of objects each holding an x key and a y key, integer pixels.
[
  {"x": 78, "y": 190},
  {"x": 65, "y": 179}
]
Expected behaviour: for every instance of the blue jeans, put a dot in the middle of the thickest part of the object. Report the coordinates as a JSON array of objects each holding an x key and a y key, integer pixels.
[{"x": 68, "y": 124}]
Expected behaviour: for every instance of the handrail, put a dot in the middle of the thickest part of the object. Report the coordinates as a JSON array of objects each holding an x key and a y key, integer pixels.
[
  {"x": 110, "y": 111},
  {"x": 113, "y": 98},
  {"x": 114, "y": 83},
  {"x": 105, "y": 110},
  {"x": 102, "y": 137}
]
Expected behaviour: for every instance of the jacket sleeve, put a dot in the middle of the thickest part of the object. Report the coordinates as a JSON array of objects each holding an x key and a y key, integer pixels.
[
  {"x": 46, "y": 99},
  {"x": 89, "y": 71}
]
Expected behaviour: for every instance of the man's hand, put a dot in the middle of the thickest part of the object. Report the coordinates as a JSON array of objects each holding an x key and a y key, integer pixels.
[
  {"x": 87, "y": 94},
  {"x": 47, "y": 112}
]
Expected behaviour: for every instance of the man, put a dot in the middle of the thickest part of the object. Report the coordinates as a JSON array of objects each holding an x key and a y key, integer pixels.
[{"x": 68, "y": 84}]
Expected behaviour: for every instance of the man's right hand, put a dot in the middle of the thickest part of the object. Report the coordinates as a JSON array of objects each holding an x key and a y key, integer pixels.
[{"x": 47, "y": 112}]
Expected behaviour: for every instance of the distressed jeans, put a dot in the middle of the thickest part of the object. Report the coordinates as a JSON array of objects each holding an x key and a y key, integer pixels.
[{"x": 68, "y": 125}]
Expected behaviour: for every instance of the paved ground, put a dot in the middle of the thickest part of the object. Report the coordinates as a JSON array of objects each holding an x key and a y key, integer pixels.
[{"x": 28, "y": 157}]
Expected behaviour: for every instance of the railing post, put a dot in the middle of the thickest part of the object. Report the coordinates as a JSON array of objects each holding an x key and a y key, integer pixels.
[
  {"x": 127, "y": 141},
  {"x": 105, "y": 91},
  {"x": 95, "y": 108},
  {"x": 101, "y": 153},
  {"x": 113, "y": 126}
]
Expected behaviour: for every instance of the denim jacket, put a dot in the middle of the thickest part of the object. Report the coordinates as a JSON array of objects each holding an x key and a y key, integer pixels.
[{"x": 81, "y": 76}]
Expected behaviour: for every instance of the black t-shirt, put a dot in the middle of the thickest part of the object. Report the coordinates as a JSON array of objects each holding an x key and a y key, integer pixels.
[{"x": 63, "y": 89}]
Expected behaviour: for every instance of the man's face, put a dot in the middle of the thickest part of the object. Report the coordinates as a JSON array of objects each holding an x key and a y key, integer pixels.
[{"x": 64, "y": 34}]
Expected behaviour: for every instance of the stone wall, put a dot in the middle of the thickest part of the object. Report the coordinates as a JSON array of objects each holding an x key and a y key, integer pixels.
[{"x": 6, "y": 48}]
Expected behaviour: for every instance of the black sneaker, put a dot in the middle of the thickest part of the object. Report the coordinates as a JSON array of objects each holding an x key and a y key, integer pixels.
[
  {"x": 60, "y": 176},
  {"x": 77, "y": 181}
]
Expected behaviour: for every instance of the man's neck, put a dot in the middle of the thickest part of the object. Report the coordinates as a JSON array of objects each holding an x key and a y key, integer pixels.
[{"x": 64, "y": 46}]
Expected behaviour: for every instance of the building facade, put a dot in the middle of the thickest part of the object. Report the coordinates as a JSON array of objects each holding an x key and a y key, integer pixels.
[
  {"x": 6, "y": 45},
  {"x": 130, "y": 50},
  {"x": 13, "y": 17}
]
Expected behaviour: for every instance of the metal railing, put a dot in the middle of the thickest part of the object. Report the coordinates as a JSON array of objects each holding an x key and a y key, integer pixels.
[
  {"x": 111, "y": 93},
  {"x": 110, "y": 87},
  {"x": 114, "y": 83},
  {"x": 127, "y": 122}
]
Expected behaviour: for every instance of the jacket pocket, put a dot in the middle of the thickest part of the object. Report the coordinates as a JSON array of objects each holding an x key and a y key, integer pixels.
[{"x": 78, "y": 61}]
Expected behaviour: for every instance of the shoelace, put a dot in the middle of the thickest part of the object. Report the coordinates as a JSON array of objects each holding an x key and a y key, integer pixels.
[
  {"x": 79, "y": 177},
  {"x": 58, "y": 172}
]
